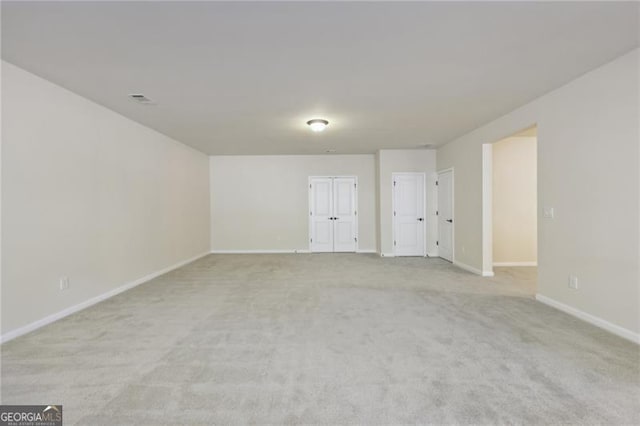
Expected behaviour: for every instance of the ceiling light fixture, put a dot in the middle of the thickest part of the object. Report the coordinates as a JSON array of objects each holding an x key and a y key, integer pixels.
[
  {"x": 317, "y": 124},
  {"x": 141, "y": 99}
]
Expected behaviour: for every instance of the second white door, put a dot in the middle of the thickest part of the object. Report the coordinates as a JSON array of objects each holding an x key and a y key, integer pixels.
[
  {"x": 445, "y": 215},
  {"x": 408, "y": 214},
  {"x": 332, "y": 214}
]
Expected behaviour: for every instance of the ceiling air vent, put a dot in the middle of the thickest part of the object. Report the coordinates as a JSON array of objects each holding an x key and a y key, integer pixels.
[{"x": 141, "y": 99}]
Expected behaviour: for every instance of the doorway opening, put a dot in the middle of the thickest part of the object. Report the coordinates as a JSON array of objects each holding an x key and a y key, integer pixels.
[{"x": 512, "y": 207}]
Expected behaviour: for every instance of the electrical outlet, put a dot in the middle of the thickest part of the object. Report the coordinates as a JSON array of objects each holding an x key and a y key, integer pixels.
[
  {"x": 64, "y": 283},
  {"x": 573, "y": 282},
  {"x": 548, "y": 212}
]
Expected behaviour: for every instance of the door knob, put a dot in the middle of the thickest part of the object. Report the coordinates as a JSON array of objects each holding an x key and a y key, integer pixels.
[
  {"x": 450, "y": 220},
  {"x": 420, "y": 219}
]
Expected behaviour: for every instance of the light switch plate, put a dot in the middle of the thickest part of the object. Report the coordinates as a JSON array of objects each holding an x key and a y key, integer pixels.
[{"x": 548, "y": 212}]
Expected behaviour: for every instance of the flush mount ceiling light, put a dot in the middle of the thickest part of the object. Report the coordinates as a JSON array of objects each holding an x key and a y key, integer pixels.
[{"x": 317, "y": 124}]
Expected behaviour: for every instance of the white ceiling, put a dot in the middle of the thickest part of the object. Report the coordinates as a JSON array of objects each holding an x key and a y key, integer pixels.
[{"x": 242, "y": 78}]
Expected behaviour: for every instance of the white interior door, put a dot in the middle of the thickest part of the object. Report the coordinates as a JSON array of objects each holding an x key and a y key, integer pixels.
[
  {"x": 344, "y": 214},
  {"x": 408, "y": 214},
  {"x": 321, "y": 214},
  {"x": 445, "y": 215},
  {"x": 333, "y": 214}
]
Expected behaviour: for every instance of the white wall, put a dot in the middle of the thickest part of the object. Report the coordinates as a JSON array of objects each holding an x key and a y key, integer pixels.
[
  {"x": 395, "y": 161},
  {"x": 91, "y": 195},
  {"x": 588, "y": 171},
  {"x": 261, "y": 203},
  {"x": 515, "y": 198}
]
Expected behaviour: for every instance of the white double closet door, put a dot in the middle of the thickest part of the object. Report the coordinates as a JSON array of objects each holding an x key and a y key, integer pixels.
[{"x": 333, "y": 225}]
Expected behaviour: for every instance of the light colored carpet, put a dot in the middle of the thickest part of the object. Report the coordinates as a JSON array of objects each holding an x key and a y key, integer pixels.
[{"x": 326, "y": 339}]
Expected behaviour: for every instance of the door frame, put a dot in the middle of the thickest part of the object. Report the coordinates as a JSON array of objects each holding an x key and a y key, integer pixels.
[
  {"x": 453, "y": 211},
  {"x": 424, "y": 209},
  {"x": 355, "y": 205}
]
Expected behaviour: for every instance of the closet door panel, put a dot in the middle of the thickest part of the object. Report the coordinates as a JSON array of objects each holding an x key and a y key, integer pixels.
[
  {"x": 321, "y": 214},
  {"x": 344, "y": 212}
]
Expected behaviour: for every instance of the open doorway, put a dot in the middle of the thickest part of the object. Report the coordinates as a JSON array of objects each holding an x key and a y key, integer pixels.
[{"x": 514, "y": 227}]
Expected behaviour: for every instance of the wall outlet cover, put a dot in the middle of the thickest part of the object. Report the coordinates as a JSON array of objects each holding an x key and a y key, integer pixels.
[
  {"x": 573, "y": 282},
  {"x": 64, "y": 283}
]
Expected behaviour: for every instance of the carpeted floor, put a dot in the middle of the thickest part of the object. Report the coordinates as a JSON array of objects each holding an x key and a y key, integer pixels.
[{"x": 326, "y": 339}]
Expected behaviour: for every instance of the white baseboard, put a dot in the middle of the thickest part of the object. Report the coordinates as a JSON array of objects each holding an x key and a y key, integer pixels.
[
  {"x": 387, "y": 255},
  {"x": 433, "y": 254},
  {"x": 260, "y": 251},
  {"x": 515, "y": 264},
  {"x": 591, "y": 319},
  {"x": 277, "y": 251},
  {"x": 90, "y": 302},
  {"x": 472, "y": 269}
]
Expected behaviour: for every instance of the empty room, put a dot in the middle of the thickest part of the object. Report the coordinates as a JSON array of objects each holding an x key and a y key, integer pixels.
[{"x": 320, "y": 213}]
